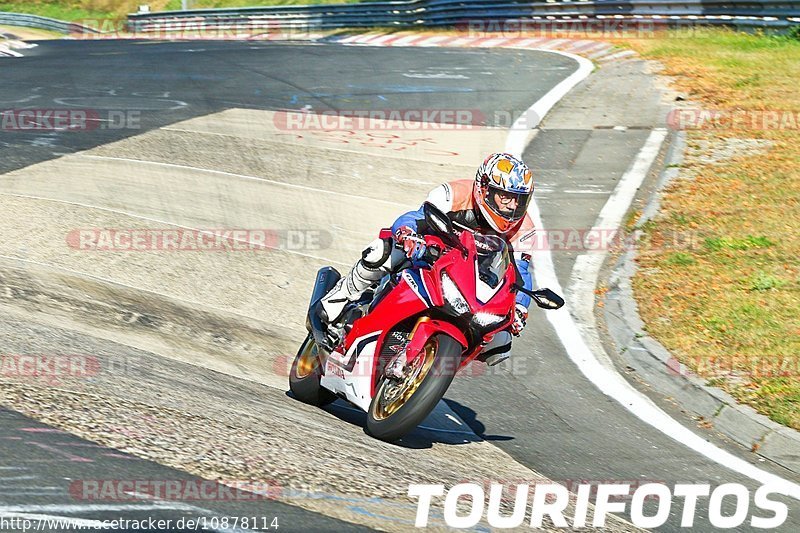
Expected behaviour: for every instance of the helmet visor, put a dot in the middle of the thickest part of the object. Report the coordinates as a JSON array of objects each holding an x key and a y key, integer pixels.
[{"x": 511, "y": 206}]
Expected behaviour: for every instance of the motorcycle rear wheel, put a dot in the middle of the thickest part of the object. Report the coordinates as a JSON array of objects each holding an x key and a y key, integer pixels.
[
  {"x": 398, "y": 408},
  {"x": 305, "y": 375}
]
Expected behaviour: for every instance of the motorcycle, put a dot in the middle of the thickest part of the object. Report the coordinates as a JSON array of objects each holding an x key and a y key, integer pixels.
[{"x": 395, "y": 351}]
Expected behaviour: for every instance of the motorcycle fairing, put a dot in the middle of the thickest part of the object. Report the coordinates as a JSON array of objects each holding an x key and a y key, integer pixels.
[
  {"x": 348, "y": 361},
  {"x": 350, "y": 374},
  {"x": 352, "y": 371},
  {"x": 401, "y": 303},
  {"x": 417, "y": 284}
]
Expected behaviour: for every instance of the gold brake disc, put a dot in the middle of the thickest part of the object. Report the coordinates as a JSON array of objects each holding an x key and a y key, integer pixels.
[
  {"x": 308, "y": 359},
  {"x": 392, "y": 395}
]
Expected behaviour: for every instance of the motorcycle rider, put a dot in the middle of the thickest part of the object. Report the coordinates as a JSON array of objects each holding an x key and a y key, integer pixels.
[{"x": 494, "y": 203}]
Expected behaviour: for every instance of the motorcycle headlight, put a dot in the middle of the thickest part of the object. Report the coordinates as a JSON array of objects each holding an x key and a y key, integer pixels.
[
  {"x": 486, "y": 320},
  {"x": 453, "y": 296}
]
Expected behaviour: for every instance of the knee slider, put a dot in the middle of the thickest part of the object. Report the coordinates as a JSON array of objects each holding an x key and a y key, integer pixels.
[{"x": 377, "y": 253}]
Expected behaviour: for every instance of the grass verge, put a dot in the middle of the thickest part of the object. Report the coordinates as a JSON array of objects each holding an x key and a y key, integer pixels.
[
  {"x": 725, "y": 300},
  {"x": 30, "y": 33},
  {"x": 66, "y": 10},
  {"x": 78, "y": 10}
]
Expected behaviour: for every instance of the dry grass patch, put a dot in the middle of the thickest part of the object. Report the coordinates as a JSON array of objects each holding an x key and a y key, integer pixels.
[{"x": 726, "y": 301}]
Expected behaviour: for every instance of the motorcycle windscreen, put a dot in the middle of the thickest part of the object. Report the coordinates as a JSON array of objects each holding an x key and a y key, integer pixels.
[{"x": 493, "y": 259}]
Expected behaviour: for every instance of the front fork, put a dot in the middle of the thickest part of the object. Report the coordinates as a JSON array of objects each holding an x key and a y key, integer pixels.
[{"x": 424, "y": 329}]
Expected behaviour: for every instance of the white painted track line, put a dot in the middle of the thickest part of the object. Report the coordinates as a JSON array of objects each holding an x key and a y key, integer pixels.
[
  {"x": 567, "y": 329},
  {"x": 159, "y": 221},
  {"x": 244, "y": 177},
  {"x": 4, "y": 50},
  {"x": 587, "y": 267},
  {"x": 521, "y": 129},
  {"x": 94, "y": 507}
]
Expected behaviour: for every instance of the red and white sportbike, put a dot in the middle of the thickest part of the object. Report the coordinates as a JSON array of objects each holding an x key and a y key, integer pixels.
[{"x": 394, "y": 352}]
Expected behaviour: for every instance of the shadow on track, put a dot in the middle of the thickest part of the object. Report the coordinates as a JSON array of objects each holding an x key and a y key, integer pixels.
[
  {"x": 470, "y": 417},
  {"x": 430, "y": 431}
]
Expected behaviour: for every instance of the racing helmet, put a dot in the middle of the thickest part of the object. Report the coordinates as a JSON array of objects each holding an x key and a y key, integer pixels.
[{"x": 502, "y": 192}]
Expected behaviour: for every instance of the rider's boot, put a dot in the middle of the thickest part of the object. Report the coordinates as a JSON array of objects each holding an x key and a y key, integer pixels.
[{"x": 368, "y": 271}]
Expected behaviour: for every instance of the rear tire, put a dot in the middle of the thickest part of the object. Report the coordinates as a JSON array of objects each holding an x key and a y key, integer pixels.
[
  {"x": 305, "y": 375},
  {"x": 392, "y": 426}
]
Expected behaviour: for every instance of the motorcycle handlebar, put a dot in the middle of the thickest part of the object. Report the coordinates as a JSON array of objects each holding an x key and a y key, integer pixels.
[{"x": 544, "y": 298}]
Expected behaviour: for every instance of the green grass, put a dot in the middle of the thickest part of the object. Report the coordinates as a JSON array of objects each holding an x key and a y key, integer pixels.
[
  {"x": 68, "y": 11},
  {"x": 680, "y": 259},
  {"x": 732, "y": 243},
  {"x": 749, "y": 68},
  {"x": 764, "y": 282},
  {"x": 734, "y": 298},
  {"x": 209, "y": 4},
  {"x": 81, "y": 10}
]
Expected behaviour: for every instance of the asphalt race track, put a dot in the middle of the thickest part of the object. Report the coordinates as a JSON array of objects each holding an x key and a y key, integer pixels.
[
  {"x": 47, "y": 463},
  {"x": 193, "y": 347}
]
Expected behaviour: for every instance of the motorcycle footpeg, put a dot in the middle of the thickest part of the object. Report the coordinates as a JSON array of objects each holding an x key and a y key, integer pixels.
[{"x": 332, "y": 339}]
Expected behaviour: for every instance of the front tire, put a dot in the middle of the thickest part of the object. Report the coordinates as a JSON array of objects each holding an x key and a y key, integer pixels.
[
  {"x": 394, "y": 413},
  {"x": 305, "y": 375}
]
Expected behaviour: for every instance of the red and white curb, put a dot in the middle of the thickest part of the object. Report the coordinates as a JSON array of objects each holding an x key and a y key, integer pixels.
[
  {"x": 599, "y": 51},
  {"x": 5, "y": 51},
  {"x": 9, "y": 44},
  {"x": 177, "y": 36}
]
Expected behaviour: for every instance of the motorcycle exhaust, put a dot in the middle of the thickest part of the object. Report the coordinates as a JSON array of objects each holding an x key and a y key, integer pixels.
[{"x": 327, "y": 277}]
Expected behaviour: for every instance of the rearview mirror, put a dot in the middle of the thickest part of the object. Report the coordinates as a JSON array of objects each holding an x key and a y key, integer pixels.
[
  {"x": 436, "y": 219},
  {"x": 544, "y": 298},
  {"x": 547, "y": 299}
]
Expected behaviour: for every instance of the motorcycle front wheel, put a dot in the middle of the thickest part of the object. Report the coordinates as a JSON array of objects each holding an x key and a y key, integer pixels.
[
  {"x": 400, "y": 405},
  {"x": 305, "y": 375}
]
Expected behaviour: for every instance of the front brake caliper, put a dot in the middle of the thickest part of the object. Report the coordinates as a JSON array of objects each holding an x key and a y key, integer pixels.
[{"x": 395, "y": 369}]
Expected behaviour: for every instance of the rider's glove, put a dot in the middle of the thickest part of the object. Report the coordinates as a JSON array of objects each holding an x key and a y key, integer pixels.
[
  {"x": 413, "y": 245},
  {"x": 520, "y": 318}
]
